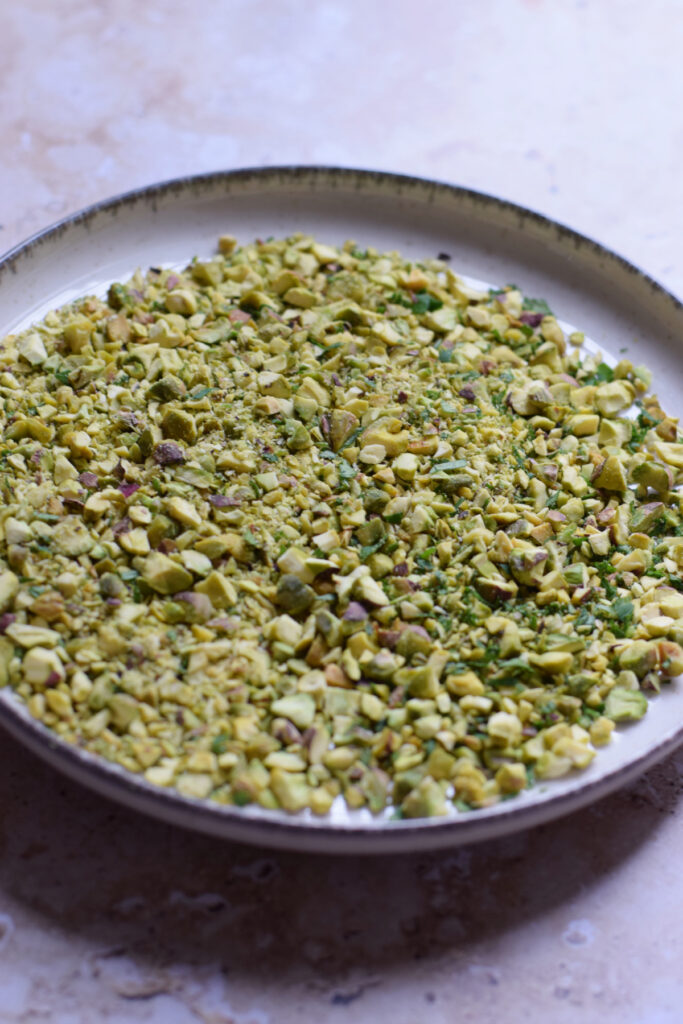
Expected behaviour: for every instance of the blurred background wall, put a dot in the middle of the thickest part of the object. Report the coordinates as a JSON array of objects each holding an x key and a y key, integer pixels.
[{"x": 569, "y": 106}]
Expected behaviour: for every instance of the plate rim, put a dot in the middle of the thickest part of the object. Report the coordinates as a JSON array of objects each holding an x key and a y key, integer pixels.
[
  {"x": 318, "y": 835},
  {"x": 293, "y": 171},
  {"x": 290, "y": 831}
]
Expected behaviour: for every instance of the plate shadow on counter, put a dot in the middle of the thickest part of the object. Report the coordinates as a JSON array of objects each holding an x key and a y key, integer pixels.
[{"x": 118, "y": 881}]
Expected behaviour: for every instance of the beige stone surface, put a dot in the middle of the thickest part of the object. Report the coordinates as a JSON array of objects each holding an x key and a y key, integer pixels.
[
  {"x": 108, "y": 917},
  {"x": 568, "y": 107}
]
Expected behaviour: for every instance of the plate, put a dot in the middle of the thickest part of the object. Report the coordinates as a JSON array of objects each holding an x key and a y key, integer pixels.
[{"x": 489, "y": 239}]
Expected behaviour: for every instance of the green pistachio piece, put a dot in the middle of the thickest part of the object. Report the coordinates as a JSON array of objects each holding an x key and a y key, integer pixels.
[
  {"x": 375, "y": 500},
  {"x": 9, "y": 587},
  {"x": 164, "y": 575},
  {"x": 179, "y": 425},
  {"x": 615, "y": 432},
  {"x": 297, "y": 707},
  {"x": 645, "y": 517},
  {"x": 496, "y": 591},
  {"x": 181, "y": 300},
  {"x": 297, "y": 436},
  {"x": 371, "y": 532},
  {"x": 123, "y": 710},
  {"x": 625, "y": 705},
  {"x": 655, "y": 476},
  {"x": 208, "y": 272},
  {"x": 425, "y": 801},
  {"x": 291, "y": 789},
  {"x": 342, "y": 425},
  {"x": 31, "y": 427},
  {"x": 610, "y": 475},
  {"x": 528, "y": 565},
  {"x": 612, "y": 398},
  {"x": 294, "y": 595},
  {"x": 167, "y": 389},
  {"x": 640, "y": 657}
]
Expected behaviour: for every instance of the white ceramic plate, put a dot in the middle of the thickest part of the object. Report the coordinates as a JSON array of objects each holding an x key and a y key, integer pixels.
[{"x": 486, "y": 238}]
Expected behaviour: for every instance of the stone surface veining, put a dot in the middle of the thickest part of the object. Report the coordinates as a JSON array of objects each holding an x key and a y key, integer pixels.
[{"x": 105, "y": 916}]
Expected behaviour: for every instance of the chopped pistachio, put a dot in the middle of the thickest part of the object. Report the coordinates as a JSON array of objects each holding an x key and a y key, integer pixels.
[
  {"x": 167, "y": 389},
  {"x": 59, "y": 703},
  {"x": 274, "y": 384},
  {"x": 342, "y": 425},
  {"x": 181, "y": 300},
  {"x": 613, "y": 397},
  {"x": 293, "y": 595},
  {"x": 583, "y": 424},
  {"x": 610, "y": 474},
  {"x": 164, "y": 575},
  {"x": 294, "y": 562},
  {"x": 77, "y": 333},
  {"x": 552, "y": 662},
  {"x": 625, "y": 705},
  {"x": 302, "y": 523},
  {"x": 511, "y": 778},
  {"x": 9, "y": 586},
  {"x": 302, "y": 297},
  {"x": 406, "y": 466},
  {"x": 196, "y": 562},
  {"x": 32, "y": 348},
  {"x": 179, "y": 425},
  {"x": 184, "y": 511},
  {"x": 291, "y": 789},
  {"x": 135, "y": 542},
  {"x": 506, "y": 728},
  {"x": 32, "y": 636},
  {"x": 310, "y": 388},
  {"x": 425, "y": 801},
  {"x": 601, "y": 731},
  {"x": 298, "y": 707},
  {"x": 219, "y": 589},
  {"x": 42, "y": 665}
]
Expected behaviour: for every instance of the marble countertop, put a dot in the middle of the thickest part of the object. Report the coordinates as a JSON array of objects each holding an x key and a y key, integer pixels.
[{"x": 564, "y": 107}]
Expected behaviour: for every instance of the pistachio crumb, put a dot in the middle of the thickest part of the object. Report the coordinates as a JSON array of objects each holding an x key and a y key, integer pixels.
[{"x": 302, "y": 523}]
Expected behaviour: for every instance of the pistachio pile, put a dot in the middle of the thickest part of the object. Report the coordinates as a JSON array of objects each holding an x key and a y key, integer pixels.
[{"x": 302, "y": 523}]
